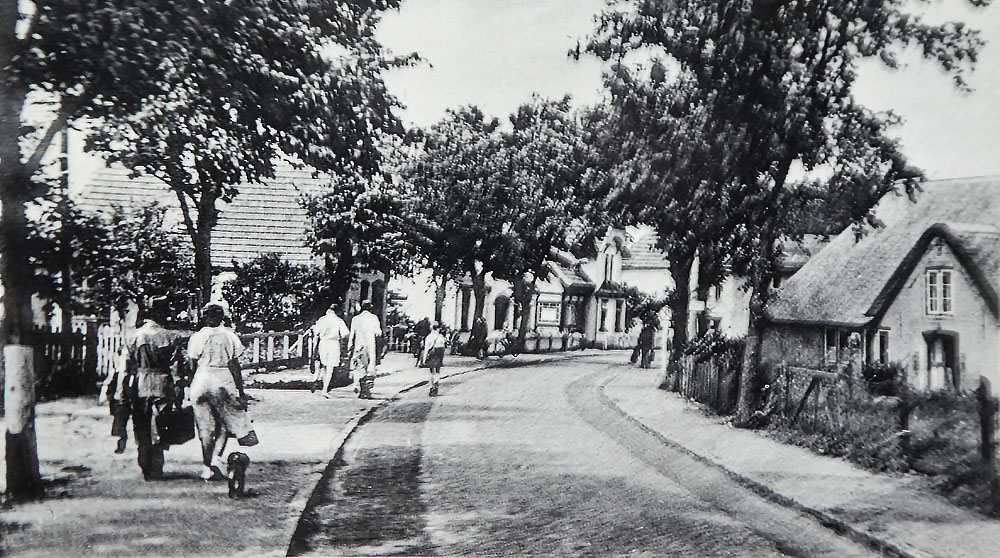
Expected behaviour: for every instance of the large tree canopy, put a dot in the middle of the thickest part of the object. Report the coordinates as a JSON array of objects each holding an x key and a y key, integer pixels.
[
  {"x": 207, "y": 95},
  {"x": 763, "y": 86}
]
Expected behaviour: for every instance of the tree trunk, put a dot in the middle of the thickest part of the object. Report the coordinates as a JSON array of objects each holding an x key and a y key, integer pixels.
[
  {"x": 23, "y": 479},
  {"x": 208, "y": 216},
  {"x": 479, "y": 292},
  {"x": 759, "y": 284},
  {"x": 679, "y": 302},
  {"x": 523, "y": 293},
  {"x": 341, "y": 272},
  {"x": 440, "y": 292},
  {"x": 67, "y": 255}
]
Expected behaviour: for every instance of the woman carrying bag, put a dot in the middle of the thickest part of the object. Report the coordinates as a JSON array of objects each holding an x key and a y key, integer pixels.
[{"x": 216, "y": 391}]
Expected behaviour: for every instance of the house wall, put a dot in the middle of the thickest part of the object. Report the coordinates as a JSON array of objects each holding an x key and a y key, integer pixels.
[
  {"x": 794, "y": 344},
  {"x": 977, "y": 329},
  {"x": 655, "y": 282},
  {"x": 731, "y": 308}
]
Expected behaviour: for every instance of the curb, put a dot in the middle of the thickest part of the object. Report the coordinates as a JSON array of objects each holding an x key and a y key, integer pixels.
[
  {"x": 301, "y": 503},
  {"x": 826, "y": 520}
]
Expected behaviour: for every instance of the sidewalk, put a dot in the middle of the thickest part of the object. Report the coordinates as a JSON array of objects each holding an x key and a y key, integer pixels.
[
  {"x": 889, "y": 512},
  {"x": 98, "y": 504}
]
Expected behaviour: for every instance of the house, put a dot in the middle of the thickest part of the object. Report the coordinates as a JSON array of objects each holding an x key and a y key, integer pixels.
[
  {"x": 724, "y": 308},
  {"x": 262, "y": 218},
  {"x": 921, "y": 292}
]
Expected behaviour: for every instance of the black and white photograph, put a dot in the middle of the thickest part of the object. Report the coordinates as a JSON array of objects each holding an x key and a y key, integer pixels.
[{"x": 463, "y": 278}]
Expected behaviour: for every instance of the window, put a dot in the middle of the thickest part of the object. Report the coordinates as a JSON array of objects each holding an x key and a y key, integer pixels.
[
  {"x": 619, "y": 315},
  {"x": 604, "y": 315},
  {"x": 466, "y": 303},
  {"x": 548, "y": 313},
  {"x": 609, "y": 266},
  {"x": 838, "y": 345},
  {"x": 883, "y": 346},
  {"x": 939, "y": 291}
]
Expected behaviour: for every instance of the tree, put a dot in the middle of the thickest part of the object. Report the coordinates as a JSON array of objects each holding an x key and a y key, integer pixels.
[
  {"x": 360, "y": 225},
  {"x": 457, "y": 193},
  {"x": 769, "y": 85},
  {"x": 548, "y": 172},
  {"x": 271, "y": 294},
  {"x": 201, "y": 94},
  {"x": 145, "y": 260},
  {"x": 65, "y": 247}
]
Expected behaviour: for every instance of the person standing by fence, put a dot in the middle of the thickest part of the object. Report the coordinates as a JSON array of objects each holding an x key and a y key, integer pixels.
[
  {"x": 365, "y": 331},
  {"x": 434, "y": 345},
  {"x": 330, "y": 329}
]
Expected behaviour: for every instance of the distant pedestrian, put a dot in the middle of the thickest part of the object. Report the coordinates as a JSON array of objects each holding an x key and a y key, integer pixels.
[
  {"x": 434, "y": 346},
  {"x": 477, "y": 338},
  {"x": 645, "y": 345},
  {"x": 150, "y": 386},
  {"x": 365, "y": 331},
  {"x": 217, "y": 391},
  {"x": 330, "y": 329},
  {"x": 421, "y": 331}
]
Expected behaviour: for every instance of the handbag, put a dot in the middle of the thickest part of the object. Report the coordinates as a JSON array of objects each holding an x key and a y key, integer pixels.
[{"x": 175, "y": 425}]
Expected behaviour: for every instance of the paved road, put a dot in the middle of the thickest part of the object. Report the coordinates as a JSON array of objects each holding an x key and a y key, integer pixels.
[{"x": 536, "y": 461}]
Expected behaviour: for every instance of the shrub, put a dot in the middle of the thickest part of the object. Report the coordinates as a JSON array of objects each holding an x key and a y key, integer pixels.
[{"x": 882, "y": 379}]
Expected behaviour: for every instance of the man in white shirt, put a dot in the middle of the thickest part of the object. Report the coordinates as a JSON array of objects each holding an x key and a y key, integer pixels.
[
  {"x": 330, "y": 329},
  {"x": 365, "y": 330}
]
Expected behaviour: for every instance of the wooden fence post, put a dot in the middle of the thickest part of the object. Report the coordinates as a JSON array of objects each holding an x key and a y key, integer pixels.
[
  {"x": 988, "y": 445},
  {"x": 905, "y": 409}
]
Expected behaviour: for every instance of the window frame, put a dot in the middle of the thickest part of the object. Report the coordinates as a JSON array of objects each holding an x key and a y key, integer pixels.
[{"x": 939, "y": 292}]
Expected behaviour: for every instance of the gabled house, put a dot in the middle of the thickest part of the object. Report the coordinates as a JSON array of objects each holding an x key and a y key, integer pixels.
[
  {"x": 724, "y": 308},
  {"x": 922, "y": 291}
]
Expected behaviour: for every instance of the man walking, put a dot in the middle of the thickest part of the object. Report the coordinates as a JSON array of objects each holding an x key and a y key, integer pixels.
[
  {"x": 330, "y": 329},
  {"x": 365, "y": 331},
  {"x": 150, "y": 385}
]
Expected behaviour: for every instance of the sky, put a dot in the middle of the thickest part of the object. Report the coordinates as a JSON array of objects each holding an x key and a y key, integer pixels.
[{"x": 496, "y": 53}]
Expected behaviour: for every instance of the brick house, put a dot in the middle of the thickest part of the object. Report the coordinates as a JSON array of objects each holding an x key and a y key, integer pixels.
[{"x": 922, "y": 291}]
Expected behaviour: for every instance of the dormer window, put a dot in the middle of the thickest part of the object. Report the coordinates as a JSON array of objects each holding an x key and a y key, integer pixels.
[
  {"x": 609, "y": 266},
  {"x": 939, "y": 291}
]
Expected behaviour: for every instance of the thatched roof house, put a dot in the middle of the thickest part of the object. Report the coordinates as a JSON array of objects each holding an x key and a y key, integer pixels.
[{"x": 921, "y": 291}]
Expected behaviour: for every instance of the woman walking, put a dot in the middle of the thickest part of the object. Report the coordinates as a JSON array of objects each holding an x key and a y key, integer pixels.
[{"x": 217, "y": 390}]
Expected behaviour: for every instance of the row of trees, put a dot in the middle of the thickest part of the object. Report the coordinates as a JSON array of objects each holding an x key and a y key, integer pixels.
[
  {"x": 202, "y": 95},
  {"x": 701, "y": 143},
  {"x": 742, "y": 95}
]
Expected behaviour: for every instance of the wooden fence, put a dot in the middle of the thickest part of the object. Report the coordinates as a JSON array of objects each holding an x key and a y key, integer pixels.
[
  {"x": 938, "y": 433},
  {"x": 713, "y": 381}
]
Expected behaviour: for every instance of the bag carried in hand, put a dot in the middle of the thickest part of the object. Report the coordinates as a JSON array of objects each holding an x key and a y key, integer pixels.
[{"x": 175, "y": 425}]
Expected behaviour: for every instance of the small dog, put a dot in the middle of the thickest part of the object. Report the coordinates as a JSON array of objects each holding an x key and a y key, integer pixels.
[{"x": 236, "y": 470}]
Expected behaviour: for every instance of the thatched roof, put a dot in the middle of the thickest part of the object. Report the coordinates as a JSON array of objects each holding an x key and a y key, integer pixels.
[
  {"x": 851, "y": 281},
  {"x": 263, "y": 218}
]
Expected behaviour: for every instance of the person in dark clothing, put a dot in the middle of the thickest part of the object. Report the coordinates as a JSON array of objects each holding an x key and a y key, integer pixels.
[
  {"x": 645, "y": 345},
  {"x": 477, "y": 338},
  {"x": 151, "y": 380},
  {"x": 421, "y": 331}
]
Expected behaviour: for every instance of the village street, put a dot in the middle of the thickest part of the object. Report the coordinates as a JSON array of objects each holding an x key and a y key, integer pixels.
[{"x": 535, "y": 460}]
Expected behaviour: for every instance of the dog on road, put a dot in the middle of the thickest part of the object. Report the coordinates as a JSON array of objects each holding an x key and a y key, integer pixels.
[{"x": 236, "y": 470}]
